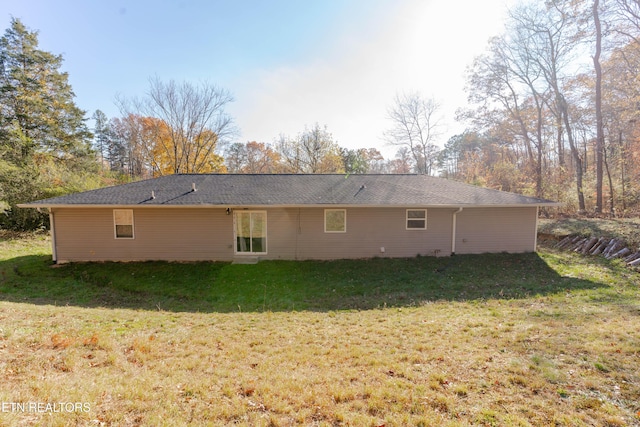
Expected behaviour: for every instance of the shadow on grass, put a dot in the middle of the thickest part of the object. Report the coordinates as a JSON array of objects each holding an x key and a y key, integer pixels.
[{"x": 283, "y": 285}]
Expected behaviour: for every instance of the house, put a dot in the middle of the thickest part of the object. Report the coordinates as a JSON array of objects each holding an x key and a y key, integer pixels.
[{"x": 224, "y": 217}]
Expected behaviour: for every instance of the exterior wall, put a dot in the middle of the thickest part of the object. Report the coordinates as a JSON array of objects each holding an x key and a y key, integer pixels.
[
  {"x": 194, "y": 234},
  {"x": 482, "y": 230},
  {"x": 159, "y": 234},
  {"x": 368, "y": 230}
]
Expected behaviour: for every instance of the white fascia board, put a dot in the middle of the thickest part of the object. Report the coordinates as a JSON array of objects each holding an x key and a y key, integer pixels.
[{"x": 315, "y": 205}]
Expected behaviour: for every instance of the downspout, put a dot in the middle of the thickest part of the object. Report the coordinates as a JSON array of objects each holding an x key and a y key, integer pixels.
[
  {"x": 535, "y": 232},
  {"x": 54, "y": 252},
  {"x": 453, "y": 231}
]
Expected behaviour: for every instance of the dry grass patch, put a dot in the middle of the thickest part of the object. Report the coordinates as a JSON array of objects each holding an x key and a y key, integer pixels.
[
  {"x": 481, "y": 363},
  {"x": 511, "y": 341}
]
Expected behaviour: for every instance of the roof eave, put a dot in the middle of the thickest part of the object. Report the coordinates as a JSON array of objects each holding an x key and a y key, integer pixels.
[{"x": 263, "y": 206}]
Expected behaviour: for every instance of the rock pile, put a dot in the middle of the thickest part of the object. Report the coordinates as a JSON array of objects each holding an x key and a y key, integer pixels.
[{"x": 608, "y": 248}]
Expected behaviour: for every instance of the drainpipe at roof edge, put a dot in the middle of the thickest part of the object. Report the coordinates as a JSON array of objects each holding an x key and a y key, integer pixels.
[
  {"x": 535, "y": 233},
  {"x": 54, "y": 253},
  {"x": 453, "y": 231}
]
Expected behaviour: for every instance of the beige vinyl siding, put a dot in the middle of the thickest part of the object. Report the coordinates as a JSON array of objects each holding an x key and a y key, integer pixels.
[
  {"x": 160, "y": 234},
  {"x": 193, "y": 234},
  {"x": 368, "y": 230},
  {"x": 482, "y": 230}
]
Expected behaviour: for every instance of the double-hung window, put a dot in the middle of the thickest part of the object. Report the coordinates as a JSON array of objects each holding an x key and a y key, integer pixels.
[
  {"x": 335, "y": 220},
  {"x": 416, "y": 219},
  {"x": 123, "y": 223}
]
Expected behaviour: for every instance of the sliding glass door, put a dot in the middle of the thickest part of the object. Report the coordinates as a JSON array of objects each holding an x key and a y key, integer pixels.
[{"x": 251, "y": 232}]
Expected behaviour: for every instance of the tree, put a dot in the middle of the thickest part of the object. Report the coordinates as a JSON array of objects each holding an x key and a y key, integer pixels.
[
  {"x": 506, "y": 80},
  {"x": 44, "y": 142},
  {"x": 362, "y": 160},
  {"x": 598, "y": 107},
  {"x": 101, "y": 135},
  {"x": 403, "y": 162},
  {"x": 252, "y": 157},
  {"x": 196, "y": 121},
  {"x": 38, "y": 111},
  {"x": 313, "y": 151},
  {"x": 453, "y": 159},
  {"x": 355, "y": 161},
  {"x": 553, "y": 33},
  {"x": 415, "y": 125},
  {"x": 236, "y": 157},
  {"x": 627, "y": 20}
]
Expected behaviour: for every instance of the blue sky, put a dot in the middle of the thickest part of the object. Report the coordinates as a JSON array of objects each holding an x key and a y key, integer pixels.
[{"x": 289, "y": 64}]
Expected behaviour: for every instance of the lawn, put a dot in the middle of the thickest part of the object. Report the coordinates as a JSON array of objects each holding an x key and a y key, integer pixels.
[{"x": 536, "y": 339}]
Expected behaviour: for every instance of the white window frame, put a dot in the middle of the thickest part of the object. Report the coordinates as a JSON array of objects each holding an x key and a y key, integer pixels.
[
  {"x": 115, "y": 224},
  {"x": 407, "y": 219},
  {"x": 235, "y": 232},
  {"x": 344, "y": 223}
]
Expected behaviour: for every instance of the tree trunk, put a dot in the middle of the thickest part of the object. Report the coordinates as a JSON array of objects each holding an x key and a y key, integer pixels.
[
  {"x": 599, "y": 122},
  {"x": 612, "y": 209}
]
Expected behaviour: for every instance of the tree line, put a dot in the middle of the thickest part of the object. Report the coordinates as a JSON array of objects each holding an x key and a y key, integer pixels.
[
  {"x": 552, "y": 112},
  {"x": 553, "y": 106}
]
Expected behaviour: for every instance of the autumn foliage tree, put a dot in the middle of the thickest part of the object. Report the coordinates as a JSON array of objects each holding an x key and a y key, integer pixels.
[
  {"x": 553, "y": 103},
  {"x": 190, "y": 125},
  {"x": 252, "y": 157}
]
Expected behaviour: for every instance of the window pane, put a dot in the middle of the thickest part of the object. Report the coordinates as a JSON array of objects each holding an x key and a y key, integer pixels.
[
  {"x": 257, "y": 225},
  {"x": 124, "y": 231},
  {"x": 123, "y": 221},
  {"x": 416, "y": 219},
  {"x": 251, "y": 231},
  {"x": 335, "y": 221},
  {"x": 259, "y": 244},
  {"x": 258, "y": 232},
  {"x": 243, "y": 232},
  {"x": 416, "y": 223},
  {"x": 123, "y": 216}
]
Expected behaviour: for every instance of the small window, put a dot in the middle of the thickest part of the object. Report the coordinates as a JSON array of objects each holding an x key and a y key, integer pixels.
[
  {"x": 416, "y": 219},
  {"x": 123, "y": 221},
  {"x": 335, "y": 220}
]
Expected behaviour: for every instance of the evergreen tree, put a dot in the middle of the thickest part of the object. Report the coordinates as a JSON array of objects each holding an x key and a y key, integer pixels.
[
  {"x": 101, "y": 135},
  {"x": 44, "y": 141}
]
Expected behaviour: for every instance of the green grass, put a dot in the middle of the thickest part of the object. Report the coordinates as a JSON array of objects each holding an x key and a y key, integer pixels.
[
  {"x": 505, "y": 340},
  {"x": 291, "y": 285}
]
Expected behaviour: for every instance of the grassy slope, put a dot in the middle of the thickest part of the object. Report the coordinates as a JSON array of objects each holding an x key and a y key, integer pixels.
[
  {"x": 500, "y": 339},
  {"x": 627, "y": 229}
]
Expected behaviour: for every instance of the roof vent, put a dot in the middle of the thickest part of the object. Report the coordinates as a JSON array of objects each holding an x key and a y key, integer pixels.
[
  {"x": 193, "y": 187},
  {"x": 153, "y": 194}
]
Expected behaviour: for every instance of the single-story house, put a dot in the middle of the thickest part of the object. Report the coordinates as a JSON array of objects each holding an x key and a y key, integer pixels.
[{"x": 226, "y": 217}]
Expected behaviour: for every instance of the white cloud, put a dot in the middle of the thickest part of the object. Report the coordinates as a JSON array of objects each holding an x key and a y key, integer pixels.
[{"x": 421, "y": 46}]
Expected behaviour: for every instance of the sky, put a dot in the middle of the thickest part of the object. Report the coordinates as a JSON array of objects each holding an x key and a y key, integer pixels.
[{"x": 289, "y": 64}]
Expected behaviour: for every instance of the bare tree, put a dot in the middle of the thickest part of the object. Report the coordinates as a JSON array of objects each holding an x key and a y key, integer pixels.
[
  {"x": 507, "y": 79},
  {"x": 313, "y": 151},
  {"x": 598, "y": 95},
  {"x": 553, "y": 34},
  {"x": 626, "y": 19},
  {"x": 196, "y": 120},
  {"x": 415, "y": 125}
]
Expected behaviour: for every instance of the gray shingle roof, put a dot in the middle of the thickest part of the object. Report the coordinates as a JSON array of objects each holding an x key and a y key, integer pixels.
[{"x": 293, "y": 190}]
